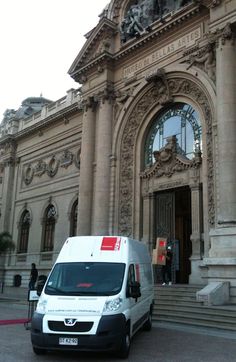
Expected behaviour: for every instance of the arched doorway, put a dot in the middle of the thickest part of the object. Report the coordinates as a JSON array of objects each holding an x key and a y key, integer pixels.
[
  {"x": 172, "y": 149},
  {"x": 173, "y": 221},
  {"x": 139, "y": 183}
]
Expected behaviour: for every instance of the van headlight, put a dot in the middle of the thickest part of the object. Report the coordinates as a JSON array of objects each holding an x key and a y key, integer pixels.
[
  {"x": 41, "y": 306},
  {"x": 112, "y": 305}
]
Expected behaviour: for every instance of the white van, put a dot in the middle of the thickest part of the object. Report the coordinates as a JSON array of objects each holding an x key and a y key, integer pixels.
[{"x": 98, "y": 294}]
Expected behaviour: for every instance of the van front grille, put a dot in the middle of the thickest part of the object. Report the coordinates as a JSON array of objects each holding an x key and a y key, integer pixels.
[{"x": 58, "y": 326}]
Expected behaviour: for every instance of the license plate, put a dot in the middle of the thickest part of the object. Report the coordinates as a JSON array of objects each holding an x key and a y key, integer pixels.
[{"x": 68, "y": 341}]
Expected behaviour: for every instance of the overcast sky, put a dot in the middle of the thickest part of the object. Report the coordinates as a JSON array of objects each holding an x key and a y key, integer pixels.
[{"x": 39, "y": 40}]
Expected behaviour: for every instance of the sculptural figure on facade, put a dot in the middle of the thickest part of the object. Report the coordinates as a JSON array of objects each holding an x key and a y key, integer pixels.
[
  {"x": 8, "y": 114},
  {"x": 140, "y": 15},
  {"x": 137, "y": 19},
  {"x": 206, "y": 60}
]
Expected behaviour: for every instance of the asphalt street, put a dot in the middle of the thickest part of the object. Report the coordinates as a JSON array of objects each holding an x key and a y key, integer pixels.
[{"x": 161, "y": 344}]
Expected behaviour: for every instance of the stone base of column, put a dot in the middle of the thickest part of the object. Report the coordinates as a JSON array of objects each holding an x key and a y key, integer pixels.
[
  {"x": 223, "y": 243},
  {"x": 198, "y": 274},
  {"x": 221, "y": 269}
]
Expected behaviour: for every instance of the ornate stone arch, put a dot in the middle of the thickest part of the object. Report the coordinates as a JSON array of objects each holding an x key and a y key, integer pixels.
[
  {"x": 177, "y": 86},
  {"x": 46, "y": 204}
]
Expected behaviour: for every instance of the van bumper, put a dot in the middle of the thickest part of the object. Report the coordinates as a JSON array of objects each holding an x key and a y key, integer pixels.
[{"x": 107, "y": 338}]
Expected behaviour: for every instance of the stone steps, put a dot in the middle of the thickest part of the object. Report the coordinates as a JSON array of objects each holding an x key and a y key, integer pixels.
[{"x": 177, "y": 304}]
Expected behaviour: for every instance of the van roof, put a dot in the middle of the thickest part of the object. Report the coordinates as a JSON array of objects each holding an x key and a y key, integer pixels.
[{"x": 116, "y": 249}]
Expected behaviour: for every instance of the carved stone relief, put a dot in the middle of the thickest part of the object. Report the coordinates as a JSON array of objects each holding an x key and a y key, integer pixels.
[
  {"x": 66, "y": 159},
  {"x": 177, "y": 86},
  {"x": 205, "y": 59},
  {"x": 141, "y": 14},
  {"x": 51, "y": 168},
  {"x": 40, "y": 168},
  {"x": 168, "y": 161},
  {"x": 120, "y": 100}
]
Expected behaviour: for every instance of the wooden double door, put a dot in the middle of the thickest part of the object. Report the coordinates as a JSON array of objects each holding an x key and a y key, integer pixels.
[{"x": 173, "y": 221}]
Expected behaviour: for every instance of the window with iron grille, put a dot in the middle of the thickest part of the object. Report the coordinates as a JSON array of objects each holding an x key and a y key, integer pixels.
[
  {"x": 74, "y": 219},
  {"x": 180, "y": 120},
  {"x": 49, "y": 228},
  {"x": 24, "y": 232}
]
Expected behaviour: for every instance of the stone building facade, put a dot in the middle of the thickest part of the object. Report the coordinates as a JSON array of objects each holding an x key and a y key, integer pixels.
[{"x": 144, "y": 148}]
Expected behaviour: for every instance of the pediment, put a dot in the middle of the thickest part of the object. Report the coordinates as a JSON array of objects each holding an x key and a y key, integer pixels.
[
  {"x": 99, "y": 41},
  {"x": 168, "y": 161}
]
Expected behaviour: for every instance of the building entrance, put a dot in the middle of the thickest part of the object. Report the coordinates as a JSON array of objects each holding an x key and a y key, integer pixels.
[{"x": 173, "y": 221}]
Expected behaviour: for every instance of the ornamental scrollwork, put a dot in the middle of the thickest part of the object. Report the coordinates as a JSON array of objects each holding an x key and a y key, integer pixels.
[{"x": 168, "y": 161}]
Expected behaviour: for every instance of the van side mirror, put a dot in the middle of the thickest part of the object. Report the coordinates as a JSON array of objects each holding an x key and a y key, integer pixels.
[
  {"x": 135, "y": 291},
  {"x": 40, "y": 284}
]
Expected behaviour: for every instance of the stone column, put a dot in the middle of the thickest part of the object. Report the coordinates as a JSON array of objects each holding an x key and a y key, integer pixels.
[
  {"x": 86, "y": 169},
  {"x": 196, "y": 234},
  {"x": 223, "y": 238},
  {"x": 148, "y": 220},
  {"x": 9, "y": 162},
  {"x": 8, "y": 182},
  {"x": 103, "y": 166}
]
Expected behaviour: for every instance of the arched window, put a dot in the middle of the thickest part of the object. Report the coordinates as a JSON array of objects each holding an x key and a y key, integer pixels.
[
  {"x": 74, "y": 218},
  {"x": 24, "y": 232},
  {"x": 182, "y": 121},
  {"x": 49, "y": 228}
]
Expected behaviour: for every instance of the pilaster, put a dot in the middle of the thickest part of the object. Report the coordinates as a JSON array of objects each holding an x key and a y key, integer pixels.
[
  {"x": 103, "y": 163},
  {"x": 86, "y": 168},
  {"x": 223, "y": 237},
  {"x": 148, "y": 220},
  {"x": 196, "y": 257},
  {"x": 9, "y": 164}
]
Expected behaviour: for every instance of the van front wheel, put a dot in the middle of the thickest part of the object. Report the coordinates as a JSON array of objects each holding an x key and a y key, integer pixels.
[
  {"x": 125, "y": 345},
  {"x": 148, "y": 324},
  {"x": 39, "y": 351}
]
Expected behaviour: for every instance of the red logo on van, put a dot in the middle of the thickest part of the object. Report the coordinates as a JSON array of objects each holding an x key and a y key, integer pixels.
[{"x": 110, "y": 243}]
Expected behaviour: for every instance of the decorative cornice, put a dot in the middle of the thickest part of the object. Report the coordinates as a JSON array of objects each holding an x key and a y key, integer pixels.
[{"x": 80, "y": 75}]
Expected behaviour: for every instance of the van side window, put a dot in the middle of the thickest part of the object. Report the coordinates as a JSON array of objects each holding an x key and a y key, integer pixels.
[{"x": 131, "y": 279}]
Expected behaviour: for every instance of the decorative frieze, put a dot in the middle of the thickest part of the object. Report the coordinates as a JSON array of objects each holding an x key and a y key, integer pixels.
[
  {"x": 51, "y": 167},
  {"x": 184, "y": 42}
]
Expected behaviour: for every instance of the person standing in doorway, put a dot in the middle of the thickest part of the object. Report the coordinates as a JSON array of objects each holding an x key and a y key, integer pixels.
[
  {"x": 166, "y": 269},
  {"x": 33, "y": 276}
]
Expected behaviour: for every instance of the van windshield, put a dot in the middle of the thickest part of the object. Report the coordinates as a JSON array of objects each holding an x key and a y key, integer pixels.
[{"x": 86, "y": 279}]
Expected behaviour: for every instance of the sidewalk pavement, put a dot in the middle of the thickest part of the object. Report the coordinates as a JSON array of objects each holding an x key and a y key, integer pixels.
[{"x": 17, "y": 294}]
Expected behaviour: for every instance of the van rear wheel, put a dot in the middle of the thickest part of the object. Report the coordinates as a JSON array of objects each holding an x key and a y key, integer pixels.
[{"x": 125, "y": 345}]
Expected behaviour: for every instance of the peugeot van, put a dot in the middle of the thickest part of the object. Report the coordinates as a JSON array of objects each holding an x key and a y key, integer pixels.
[{"x": 98, "y": 294}]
